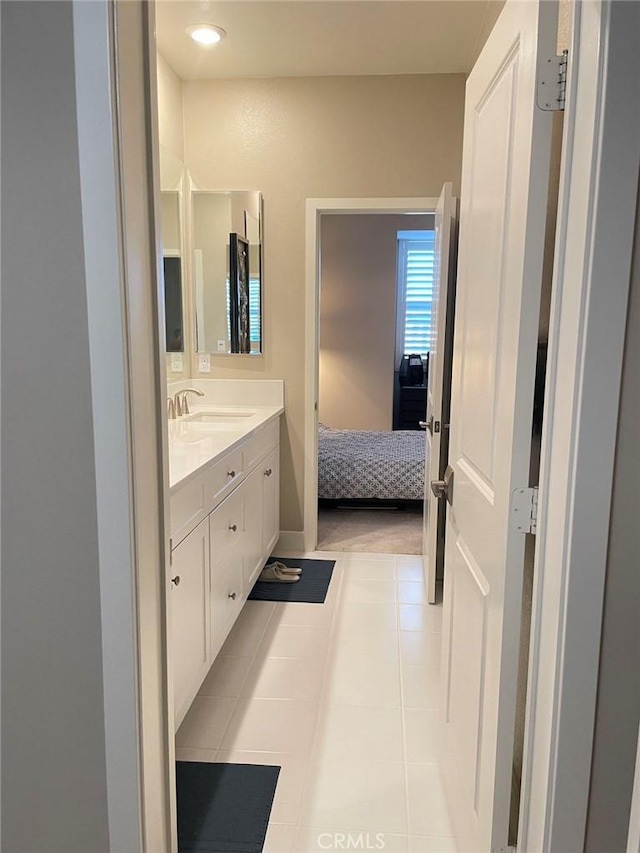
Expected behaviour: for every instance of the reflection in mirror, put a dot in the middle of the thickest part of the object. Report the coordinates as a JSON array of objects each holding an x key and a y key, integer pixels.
[
  {"x": 227, "y": 242},
  {"x": 172, "y": 263}
]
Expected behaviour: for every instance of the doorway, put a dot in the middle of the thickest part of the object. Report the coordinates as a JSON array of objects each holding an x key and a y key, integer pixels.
[
  {"x": 375, "y": 283},
  {"x": 333, "y": 209}
]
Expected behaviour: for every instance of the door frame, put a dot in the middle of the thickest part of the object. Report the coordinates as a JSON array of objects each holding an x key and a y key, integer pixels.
[
  {"x": 592, "y": 269},
  {"x": 315, "y": 209}
]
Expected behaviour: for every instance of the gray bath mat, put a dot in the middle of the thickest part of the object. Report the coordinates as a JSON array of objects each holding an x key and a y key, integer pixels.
[
  {"x": 223, "y": 808},
  {"x": 312, "y": 587}
]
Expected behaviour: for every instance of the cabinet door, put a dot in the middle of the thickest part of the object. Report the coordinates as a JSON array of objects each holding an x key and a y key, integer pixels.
[
  {"x": 226, "y": 531},
  {"x": 270, "y": 469},
  {"x": 189, "y": 603},
  {"x": 253, "y": 548}
]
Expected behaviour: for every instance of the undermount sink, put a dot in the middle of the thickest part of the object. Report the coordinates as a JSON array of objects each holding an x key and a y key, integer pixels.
[{"x": 217, "y": 417}]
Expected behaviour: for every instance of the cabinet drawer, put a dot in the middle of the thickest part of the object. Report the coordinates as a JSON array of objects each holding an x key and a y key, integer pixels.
[
  {"x": 226, "y": 596},
  {"x": 261, "y": 442},
  {"x": 223, "y": 477},
  {"x": 188, "y": 508},
  {"x": 226, "y": 526}
]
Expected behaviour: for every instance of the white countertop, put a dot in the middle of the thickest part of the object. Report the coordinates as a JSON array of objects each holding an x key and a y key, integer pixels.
[{"x": 193, "y": 446}]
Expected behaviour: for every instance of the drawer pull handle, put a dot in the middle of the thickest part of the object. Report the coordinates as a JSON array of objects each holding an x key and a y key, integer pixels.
[
  {"x": 233, "y": 596},
  {"x": 233, "y": 527},
  {"x": 268, "y": 472},
  {"x": 176, "y": 581},
  {"x": 231, "y": 473}
]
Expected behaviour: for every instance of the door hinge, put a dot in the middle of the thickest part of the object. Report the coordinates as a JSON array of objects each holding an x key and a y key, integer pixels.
[
  {"x": 524, "y": 510},
  {"x": 552, "y": 82}
]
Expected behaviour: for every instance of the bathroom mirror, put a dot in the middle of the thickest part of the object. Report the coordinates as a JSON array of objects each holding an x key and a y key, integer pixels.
[
  {"x": 173, "y": 272},
  {"x": 173, "y": 179},
  {"x": 227, "y": 271}
]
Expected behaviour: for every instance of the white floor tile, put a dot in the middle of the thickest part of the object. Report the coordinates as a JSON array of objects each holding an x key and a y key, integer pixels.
[
  {"x": 419, "y": 617},
  {"x": 361, "y": 679},
  {"x": 368, "y": 591},
  {"x": 376, "y": 617},
  {"x": 280, "y": 839},
  {"x": 285, "y": 678},
  {"x": 355, "y": 794},
  {"x": 359, "y": 567},
  {"x": 206, "y": 722},
  {"x": 345, "y": 698},
  {"x": 296, "y": 613},
  {"x": 352, "y": 733},
  {"x": 432, "y": 844},
  {"x": 296, "y": 641},
  {"x": 293, "y": 771},
  {"x": 372, "y": 556},
  {"x": 313, "y": 839},
  {"x": 187, "y": 753},
  {"x": 413, "y": 616},
  {"x": 364, "y": 640},
  {"x": 410, "y": 568},
  {"x": 420, "y": 688},
  {"x": 421, "y": 648},
  {"x": 428, "y": 812},
  {"x": 272, "y": 725},
  {"x": 226, "y": 676},
  {"x": 423, "y": 735},
  {"x": 410, "y": 592},
  {"x": 246, "y": 634}
]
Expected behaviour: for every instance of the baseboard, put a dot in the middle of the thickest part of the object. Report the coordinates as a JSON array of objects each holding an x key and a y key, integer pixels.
[{"x": 290, "y": 540}]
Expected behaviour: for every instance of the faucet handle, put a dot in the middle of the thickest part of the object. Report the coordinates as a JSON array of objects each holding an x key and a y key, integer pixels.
[
  {"x": 185, "y": 402},
  {"x": 171, "y": 409}
]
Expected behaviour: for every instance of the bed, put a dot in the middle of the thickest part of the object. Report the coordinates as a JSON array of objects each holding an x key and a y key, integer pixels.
[{"x": 365, "y": 465}]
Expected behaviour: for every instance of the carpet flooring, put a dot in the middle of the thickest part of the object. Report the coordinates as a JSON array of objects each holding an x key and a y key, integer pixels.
[{"x": 370, "y": 530}]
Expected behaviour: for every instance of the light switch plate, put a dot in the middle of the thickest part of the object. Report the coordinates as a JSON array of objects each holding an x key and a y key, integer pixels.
[
  {"x": 204, "y": 363},
  {"x": 222, "y": 346},
  {"x": 176, "y": 362}
]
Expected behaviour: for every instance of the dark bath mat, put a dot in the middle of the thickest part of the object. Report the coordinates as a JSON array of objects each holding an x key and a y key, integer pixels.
[
  {"x": 310, "y": 589},
  {"x": 223, "y": 808}
]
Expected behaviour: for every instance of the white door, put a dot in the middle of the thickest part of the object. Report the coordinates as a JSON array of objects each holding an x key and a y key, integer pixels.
[
  {"x": 505, "y": 174},
  {"x": 439, "y": 385}
]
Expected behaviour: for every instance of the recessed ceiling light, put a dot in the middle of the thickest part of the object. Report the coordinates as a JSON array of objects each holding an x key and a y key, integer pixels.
[{"x": 206, "y": 34}]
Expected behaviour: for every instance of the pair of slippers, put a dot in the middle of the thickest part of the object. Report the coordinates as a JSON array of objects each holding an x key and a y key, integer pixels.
[{"x": 277, "y": 572}]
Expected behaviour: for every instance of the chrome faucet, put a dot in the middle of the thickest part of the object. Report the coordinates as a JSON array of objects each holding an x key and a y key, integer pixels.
[
  {"x": 181, "y": 404},
  {"x": 171, "y": 409}
]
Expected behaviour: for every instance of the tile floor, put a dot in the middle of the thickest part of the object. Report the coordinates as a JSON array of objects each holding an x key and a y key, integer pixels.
[{"x": 344, "y": 697}]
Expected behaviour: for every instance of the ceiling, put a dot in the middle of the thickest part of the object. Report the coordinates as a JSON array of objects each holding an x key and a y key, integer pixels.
[{"x": 308, "y": 38}]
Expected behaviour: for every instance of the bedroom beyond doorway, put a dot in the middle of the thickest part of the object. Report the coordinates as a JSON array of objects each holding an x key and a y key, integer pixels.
[
  {"x": 371, "y": 467},
  {"x": 373, "y": 531}
]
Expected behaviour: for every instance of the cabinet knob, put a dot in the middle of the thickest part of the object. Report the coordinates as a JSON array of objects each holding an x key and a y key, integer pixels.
[
  {"x": 233, "y": 595},
  {"x": 268, "y": 472},
  {"x": 176, "y": 581},
  {"x": 233, "y": 527},
  {"x": 231, "y": 473}
]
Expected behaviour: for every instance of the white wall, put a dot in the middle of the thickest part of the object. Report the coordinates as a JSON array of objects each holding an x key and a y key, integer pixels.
[
  {"x": 300, "y": 138},
  {"x": 54, "y": 789},
  {"x": 358, "y": 272},
  {"x": 170, "y": 115}
]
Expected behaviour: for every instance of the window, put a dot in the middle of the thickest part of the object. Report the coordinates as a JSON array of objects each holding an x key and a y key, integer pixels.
[
  {"x": 254, "y": 310},
  {"x": 416, "y": 255}
]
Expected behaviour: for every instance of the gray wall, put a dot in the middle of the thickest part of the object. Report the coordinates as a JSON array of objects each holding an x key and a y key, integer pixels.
[
  {"x": 52, "y": 737},
  {"x": 618, "y": 707}
]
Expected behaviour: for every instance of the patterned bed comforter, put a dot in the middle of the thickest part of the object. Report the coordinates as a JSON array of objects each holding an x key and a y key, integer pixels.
[{"x": 360, "y": 464}]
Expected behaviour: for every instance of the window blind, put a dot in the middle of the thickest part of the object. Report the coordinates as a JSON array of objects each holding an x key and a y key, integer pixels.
[{"x": 415, "y": 292}]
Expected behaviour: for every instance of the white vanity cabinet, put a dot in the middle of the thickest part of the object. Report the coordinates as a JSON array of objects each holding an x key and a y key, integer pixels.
[
  {"x": 190, "y": 616},
  {"x": 224, "y": 524}
]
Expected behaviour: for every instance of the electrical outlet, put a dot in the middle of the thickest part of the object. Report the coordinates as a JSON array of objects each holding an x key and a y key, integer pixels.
[
  {"x": 176, "y": 362},
  {"x": 222, "y": 346},
  {"x": 204, "y": 363}
]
